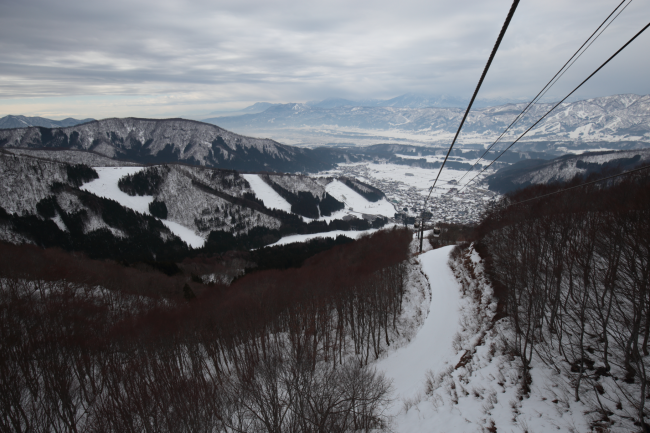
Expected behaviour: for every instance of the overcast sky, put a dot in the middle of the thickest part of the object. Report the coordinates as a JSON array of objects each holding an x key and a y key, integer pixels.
[{"x": 168, "y": 58}]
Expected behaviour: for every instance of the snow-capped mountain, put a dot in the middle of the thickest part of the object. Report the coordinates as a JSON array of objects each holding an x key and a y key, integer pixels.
[
  {"x": 10, "y": 121},
  {"x": 614, "y": 122},
  {"x": 168, "y": 140},
  {"x": 565, "y": 168}
]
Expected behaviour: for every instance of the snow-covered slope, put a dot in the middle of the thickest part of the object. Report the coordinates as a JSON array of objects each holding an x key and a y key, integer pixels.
[
  {"x": 106, "y": 186},
  {"x": 458, "y": 375},
  {"x": 264, "y": 192},
  {"x": 357, "y": 203},
  {"x": 565, "y": 168}
]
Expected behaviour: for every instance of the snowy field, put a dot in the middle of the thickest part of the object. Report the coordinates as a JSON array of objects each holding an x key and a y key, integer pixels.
[
  {"x": 391, "y": 178},
  {"x": 106, "y": 186}
]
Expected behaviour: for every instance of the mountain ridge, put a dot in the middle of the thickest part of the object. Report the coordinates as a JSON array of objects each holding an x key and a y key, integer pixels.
[
  {"x": 18, "y": 121},
  {"x": 168, "y": 140},
  {"x": 611, "y": 119}
]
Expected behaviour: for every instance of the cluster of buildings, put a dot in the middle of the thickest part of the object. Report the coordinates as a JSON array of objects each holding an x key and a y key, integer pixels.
[{"x": 446, "y": 204}]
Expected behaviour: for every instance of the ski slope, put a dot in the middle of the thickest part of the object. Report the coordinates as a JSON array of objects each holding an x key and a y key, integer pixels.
[
  {"x": 352, "y": 234},
  {"x": 431, "y": 349},
  {"x": 264, "y": 192},
  {"x": 357, "y": 203},
  {"x": 106, "y": 186}
]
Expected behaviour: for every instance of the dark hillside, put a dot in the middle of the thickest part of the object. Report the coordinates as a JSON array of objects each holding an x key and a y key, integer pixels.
[
  {"x": 159, "y": 141},
  {"x": 207, "y": 361}
]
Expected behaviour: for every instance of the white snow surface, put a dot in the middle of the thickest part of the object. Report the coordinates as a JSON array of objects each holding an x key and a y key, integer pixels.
[
  {"x": 357, "y": 203},
  {"x": 264, "y": 192},
  {"x": 106, "y": 186},
  {"x": 186, "y": 234},
  {"x": 353, "y": 234},
  {"x": 431, "y": 349}
]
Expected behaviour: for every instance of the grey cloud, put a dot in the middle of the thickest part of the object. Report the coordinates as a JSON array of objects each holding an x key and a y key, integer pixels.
[{"x": 296, "y": 50}]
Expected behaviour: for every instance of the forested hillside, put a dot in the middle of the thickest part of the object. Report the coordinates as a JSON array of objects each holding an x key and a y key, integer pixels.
[
  {"x": 280, "y": 351},
  {"x": 572, "y": 272},
  {"x": 56, "y": 204},
  {"x": 168, "y": 140}
]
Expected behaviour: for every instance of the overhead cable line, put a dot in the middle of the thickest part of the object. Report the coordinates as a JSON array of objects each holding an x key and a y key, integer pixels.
[
  {"x": 515, "y": 3},
  {"x": 555, "y": 79},
  {"x": 581, "y": 185},
  {"x": 558, "y": 104}
]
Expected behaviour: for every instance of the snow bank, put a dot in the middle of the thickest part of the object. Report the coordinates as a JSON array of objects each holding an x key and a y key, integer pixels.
[
  {"x": 106, "y": 186},
  {"x": 264, "y": 192},
  {"x": 357, "y": 202}
]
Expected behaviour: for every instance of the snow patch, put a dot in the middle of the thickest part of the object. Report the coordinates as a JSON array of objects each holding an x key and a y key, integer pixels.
[
  {"x": 106, "y": 186},
  {"x": 187, "y": 235}
]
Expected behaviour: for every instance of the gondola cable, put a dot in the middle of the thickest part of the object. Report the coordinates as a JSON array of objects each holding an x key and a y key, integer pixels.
[
  {"x": 554, "y": 80},
  {"x": 515, "y": 3},
  {"x": 556, "y": 105}
]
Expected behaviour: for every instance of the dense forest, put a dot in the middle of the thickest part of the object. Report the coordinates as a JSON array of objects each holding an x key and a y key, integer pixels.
[
  {"x": 572, "y": 271},
  {"x": 98, "y": 346}
]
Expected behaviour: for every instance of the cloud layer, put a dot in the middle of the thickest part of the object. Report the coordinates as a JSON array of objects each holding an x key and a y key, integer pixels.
[{"x": 167, "y": 57}]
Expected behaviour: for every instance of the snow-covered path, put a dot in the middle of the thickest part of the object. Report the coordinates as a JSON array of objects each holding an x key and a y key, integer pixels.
[{"x": 431, "y": 349}]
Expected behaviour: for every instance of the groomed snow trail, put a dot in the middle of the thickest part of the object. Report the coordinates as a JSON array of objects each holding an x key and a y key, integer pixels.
[
  {"x": 352, "y": 234},
  {"x": 264, "y": 192},
  {"x": 106, "y": 186},
  {"x": 357, "y": 202},
  {"x": 431, "y": 349}
]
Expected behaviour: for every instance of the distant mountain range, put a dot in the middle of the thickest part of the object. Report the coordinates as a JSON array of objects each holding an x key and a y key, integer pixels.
[
  {"x": 622, "y": 121},
  {"x": 10, "y": 121},
  {"x": 158, "y": 141},
  {"x": 408, "y": 100}
]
